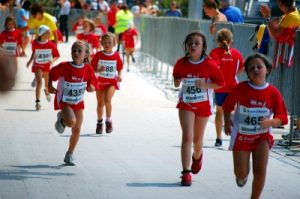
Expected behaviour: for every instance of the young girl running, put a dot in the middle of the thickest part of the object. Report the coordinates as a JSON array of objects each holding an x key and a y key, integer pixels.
[
  {"x": 198, "y": 75},
  {"x": 100, "y": 28},
  {"x": 230, "y": 61},
  {"x": 129, "y": 37},
  {"x": 73, "y": 79},
  {"x": 78, "y": 26},
  {"x": 44, "y": 53},
  {"x": 250, "y": 129},
  {"x": 108, "y": 67},
  {"x": 11, "y": 39}
]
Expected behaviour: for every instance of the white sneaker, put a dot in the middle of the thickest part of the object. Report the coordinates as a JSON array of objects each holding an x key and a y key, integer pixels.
[
  {"x": 48, "y": 97},
  {"x": 69, "y": 160},
  {"x": 59, "y": 125}
]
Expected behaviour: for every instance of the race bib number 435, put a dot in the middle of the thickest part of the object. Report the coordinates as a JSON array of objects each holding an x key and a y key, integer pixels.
[
  {"x": 192, "y": 94},
  {"x": 73, "y": 92},
  {"x": 251, "y": 118},
  {"x": 110, "y": 68},
  {"x": 43, "y": 56}
]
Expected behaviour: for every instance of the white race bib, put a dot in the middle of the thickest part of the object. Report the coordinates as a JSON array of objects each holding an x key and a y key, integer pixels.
[
  {"x": 98, "y": 32},
  {"x": 10, "y": 48},
  {"x": 250, "y": 120},
  {"x": 43, "y": 56},
  {"x": 73, "y": 92},
  {"x": 79, "y": 30},
  {"x": 192, "y": 94},
  {"x": 110, "y": 69}
]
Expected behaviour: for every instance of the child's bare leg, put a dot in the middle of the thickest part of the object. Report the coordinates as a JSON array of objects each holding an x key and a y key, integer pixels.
[
  {"x": 187, "y": 120},
  {"x": 260, "y": 161},
  {"x": 199, "y": 128},
  {"x": 100, "y": 105},
  {"x": 108, "y": 98},
  {"x": 39, "y": 79},
  {"x": 219, "y": 122},
  {"x": 241, "y": 164},
  {"x": 46, "y": 79},
  {"x": 76, "y": 131}
]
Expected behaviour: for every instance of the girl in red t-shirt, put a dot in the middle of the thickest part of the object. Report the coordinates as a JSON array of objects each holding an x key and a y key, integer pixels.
[
  {"x": 108, "y": 67},
  {"x": 78, "y": 26},
  {"x": 198, "y": 75},
  {"x": 129, "y": 37},
  {"x": 73, "y": 78},
  {"x": 230, "y": 61},
  {"x": 11, "y": 38},
  {"x": 100, "y": 28},
  {"x": 44, "y": 53}
]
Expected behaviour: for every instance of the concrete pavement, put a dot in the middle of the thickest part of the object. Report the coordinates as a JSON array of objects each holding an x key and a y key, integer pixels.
[{"x": 140, "y": 159}]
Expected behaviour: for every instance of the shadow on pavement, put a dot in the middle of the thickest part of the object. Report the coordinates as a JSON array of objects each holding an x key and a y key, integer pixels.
[{"x": 20, "y": 109}]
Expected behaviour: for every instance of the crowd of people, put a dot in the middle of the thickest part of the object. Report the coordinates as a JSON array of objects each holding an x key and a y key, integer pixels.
[{"x": 245, "y": 109}]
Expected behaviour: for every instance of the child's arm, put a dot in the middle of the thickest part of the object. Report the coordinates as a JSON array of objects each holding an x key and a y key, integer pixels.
[
  {"x": 202, "y": 84},
  {"x": 51, "y": 89},
  {"x": 227, "y": 123},
  {"x": 30, "y": 60},
  {"x": 119, "y": 75},
  {"x": 267, "y": 123},
  {"x": 177, "y": 82}
]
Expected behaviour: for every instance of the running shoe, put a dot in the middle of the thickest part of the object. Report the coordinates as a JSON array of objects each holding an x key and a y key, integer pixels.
[
  {"x": 59, "y": 124},
  {"x": 99, "y": 129},
  {"x": 295, "y": 135},
  {"x": 33, "y": 83},
  {"x": 69, "y": 160},
  {"x": 186, "y": 178},
  {"x": 109, "y": 127},
  {"x": 38, "y": 106},
  {"x": 48, "y": 96},
  {"x": 241, "y": 182},
  {"x": 197, "y": 164},
  {"x": 133, "y": 59},
  {"x": 218, "y": 142}
]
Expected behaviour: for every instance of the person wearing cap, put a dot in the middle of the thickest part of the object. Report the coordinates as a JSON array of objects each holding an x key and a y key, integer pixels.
[
  {"x": 44, "y": 53},
  {"x": 232, "y": 13},
  {"x": 39, "y": 17}
]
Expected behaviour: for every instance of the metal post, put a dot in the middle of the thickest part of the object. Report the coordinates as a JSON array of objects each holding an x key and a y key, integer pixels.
[{"x": 195, "y": 9}]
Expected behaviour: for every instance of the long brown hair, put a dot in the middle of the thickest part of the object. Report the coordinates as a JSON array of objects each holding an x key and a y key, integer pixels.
[
  {"x": 188, "y": 38},
  {"x": 87, "y": 47}
]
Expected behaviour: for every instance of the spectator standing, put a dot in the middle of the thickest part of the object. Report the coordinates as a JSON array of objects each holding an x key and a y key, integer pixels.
[
  {"x": 232, "y": 13},
  {"x": 111, "y": 16},
  {"x": 211, "y": 10},
  {"x": 173, "y": 12},
  {"x": 22, "y": 18},
  {"x": 100, "y": 5},
  {"x": 64, "y": 18}
]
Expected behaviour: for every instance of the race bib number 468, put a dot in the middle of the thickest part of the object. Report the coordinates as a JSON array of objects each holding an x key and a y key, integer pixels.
[
  {"x": 73, "y": 92},
  {"x": 192, "y": 94},
  {"x": 110, "y": 68}
]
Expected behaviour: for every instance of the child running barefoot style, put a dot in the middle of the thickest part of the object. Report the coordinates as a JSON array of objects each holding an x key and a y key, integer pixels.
[
  {"x": 198, "y": 75},
  {"x": 230, "y": 61},
  {"x": 258, "y": 107},
  {"x": 108, "y": 67},
  {"x": 73, "y": 79},
  {"x": 44, "y": 53}
]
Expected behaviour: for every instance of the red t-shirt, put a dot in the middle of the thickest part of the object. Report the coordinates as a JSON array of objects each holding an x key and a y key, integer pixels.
[
  {"x": 128, "y": 37},
  {"x": 229, "y": 64},
  {"x": 111, "y": 16},
  {"x": 10, "y": 40},
  {"x": 252, "y": 104},
  {"x": 44, "y": 52},
  {"x": 90, "y": 38},
  {"x": 190, "y": 97},
  {"x": 100, "y": 30},
  {"x": 78, "y": 29},
  {"x": 72, "y": 83},
  {"x": 112, "y": 63}
]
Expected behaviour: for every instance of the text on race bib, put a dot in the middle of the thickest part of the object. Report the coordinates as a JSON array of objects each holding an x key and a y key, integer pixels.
[
  {"x": 110, "y": 69},
  {"x": 10, "y": 48},
  {"x": 43, "y": 56},
  {"x": 192, "y": 94},
  {"x": 73, "y": 93},
  {"x": 250, "y": 120}
]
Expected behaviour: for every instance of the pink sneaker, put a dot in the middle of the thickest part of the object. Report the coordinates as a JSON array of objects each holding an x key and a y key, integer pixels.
[
  {"x": 186, "y": 178},
  {"x": 197, "y": 164}
]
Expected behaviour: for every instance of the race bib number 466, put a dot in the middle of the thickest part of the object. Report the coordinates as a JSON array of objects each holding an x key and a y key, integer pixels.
[
  {"x": 251, "y": 118},
  {"x": 73, "y": 92},
  {"x": 192, "y": 94},
  {"x": 110, "y": 68}
]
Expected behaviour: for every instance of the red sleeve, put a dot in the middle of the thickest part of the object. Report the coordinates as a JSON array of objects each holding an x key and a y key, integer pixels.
[
  {"x": 1, "y": 38},
  {"x": 216, "y": 74},
  {"x": 55, "y": 52},
  {"x": 92, "y": 78},
  {"x": 103, "y": 28},
  {"x": 55, "y": 72},
  {"x": 231, "y": 100},
  {"x": 279, "y": 108},
  {"x": 241, "y": 60},
  {"x": 74, "y": 27},
  {"x": 214, "y": 55},
  {"x": 176, "y": 70},
  {"x": 95, "y": 42},
  {"x": 94, "y": 62},
  {"x": 135, "y": 32}
]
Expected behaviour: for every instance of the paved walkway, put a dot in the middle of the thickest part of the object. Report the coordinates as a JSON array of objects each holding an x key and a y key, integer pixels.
[{"x": 140, "y": 159}]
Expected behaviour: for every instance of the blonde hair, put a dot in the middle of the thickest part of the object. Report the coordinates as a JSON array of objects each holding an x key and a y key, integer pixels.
[
  {"x": 225, "y": 38},
  {"x": 107, "y": 36},
  {"x": 91, "y": 23},
  {"x": 87, "y": 47}
]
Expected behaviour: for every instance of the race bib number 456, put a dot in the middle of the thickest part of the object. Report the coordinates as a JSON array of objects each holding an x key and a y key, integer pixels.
[
  {"x": 192, "y": 94},
  {"x": 73, "y": 92},
  {"x": 110, "y": 68},
  {"x": 251, "y": 118}
]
